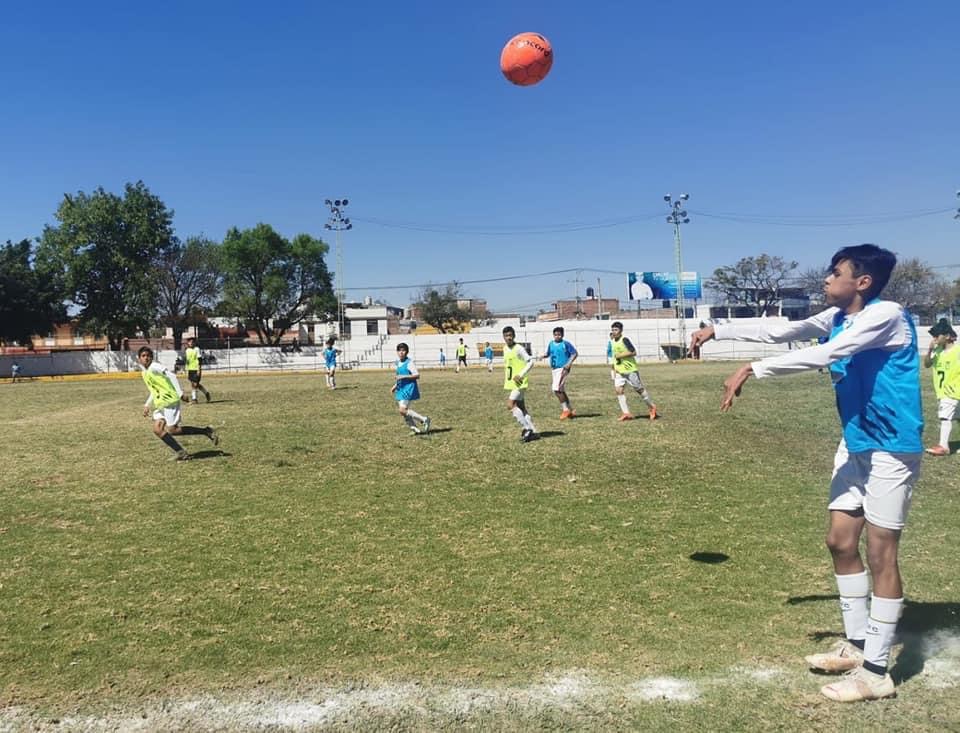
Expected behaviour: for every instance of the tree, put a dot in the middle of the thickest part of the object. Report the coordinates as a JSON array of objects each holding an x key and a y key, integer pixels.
[
  {"x": 273, "y": 283},
  {"x": 917, "y": 286},
  {"x": 755, "y": 281},
  {"x": 440, "y": 309},
  {"x": 811, "y": 282},
  {"x": 189, "y": 278},
  {"x": 105, "y": 250},
  {"x": 30, "y": 302}
]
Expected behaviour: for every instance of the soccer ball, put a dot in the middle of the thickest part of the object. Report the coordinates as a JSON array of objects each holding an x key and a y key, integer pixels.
[{"x": 526, "y": 58}]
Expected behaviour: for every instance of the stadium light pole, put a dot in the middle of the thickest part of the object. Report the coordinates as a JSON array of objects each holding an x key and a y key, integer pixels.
[
  {"x": 338, "y": 223},
  {"x": 678, "y": 216},
  {"x": 957, "y": 215}
]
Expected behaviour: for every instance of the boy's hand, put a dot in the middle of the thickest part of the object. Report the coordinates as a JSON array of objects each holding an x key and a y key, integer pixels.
[
  {"x": 733, "y": 385},
  {"x": 518, "y": 380},
  {"x": 393, "y": 389},
  {"x": 700, "y": 337}
]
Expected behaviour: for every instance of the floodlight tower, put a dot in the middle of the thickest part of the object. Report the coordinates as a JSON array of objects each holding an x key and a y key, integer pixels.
[
  {"x": 957, "y": 215},
  {"x": 678, "y": 216},
  {"x": 338, "y": 223}
]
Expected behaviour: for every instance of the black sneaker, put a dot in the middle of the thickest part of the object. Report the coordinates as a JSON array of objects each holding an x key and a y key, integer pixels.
[
  {"x": 527, "y": 436},
  {"x": 524, "y": 435},
  {"x": 209, "y": 398}
]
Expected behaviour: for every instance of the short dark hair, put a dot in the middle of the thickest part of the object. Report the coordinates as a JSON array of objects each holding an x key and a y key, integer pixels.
[
  {"x": 509, "y": 329},
  {"x": 616, "y": 324},
  {"x": 191, "y": 338},
  {"x": 144, "y": 350},
  {"x": 868, "y": 259},
  {"x": 403, "y": 345},
  {"x": 330, "y": 341},
  {"x": 558, "y": 329}
]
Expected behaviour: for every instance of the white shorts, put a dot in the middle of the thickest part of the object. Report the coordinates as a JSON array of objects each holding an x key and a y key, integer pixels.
[
  {"x": 559, "y": 379},
  {"x": 170, "y": 415},
  {"x": 631, "y": 378},
  {"x": 516, "y": 395},
  {"x": 878, "y": 482},
  {"x": 948, "y": 409}
]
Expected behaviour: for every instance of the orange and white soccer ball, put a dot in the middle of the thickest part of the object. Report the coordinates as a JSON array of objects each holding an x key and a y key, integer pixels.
[{"x": 526, "y": 59}]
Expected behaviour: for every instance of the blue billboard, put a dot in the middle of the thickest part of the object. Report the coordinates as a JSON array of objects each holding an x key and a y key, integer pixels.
[{"x": 662, "y": 285}]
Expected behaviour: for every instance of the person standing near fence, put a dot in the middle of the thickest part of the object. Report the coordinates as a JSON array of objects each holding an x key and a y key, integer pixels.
[
  {"x": 14, "y": 373},
  {"x": 193, "y": 362},
  {"x": 330, "y": 362}
]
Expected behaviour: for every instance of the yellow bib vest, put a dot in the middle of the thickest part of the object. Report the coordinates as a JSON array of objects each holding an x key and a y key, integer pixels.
[
  {"x": 946, "y": 373},
  {"x": 192, "y": 359},
  {"x": 512, "y": 365},
  {"x": 625, "y": 365},
  {"x": 164, "y": 395}
]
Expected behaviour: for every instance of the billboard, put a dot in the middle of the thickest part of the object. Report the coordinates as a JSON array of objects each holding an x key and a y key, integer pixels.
[{"x": 662, "y": 285}]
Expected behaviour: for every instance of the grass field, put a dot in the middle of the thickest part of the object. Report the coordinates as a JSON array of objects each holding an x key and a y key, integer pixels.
[{"x": 324, "y": 569}]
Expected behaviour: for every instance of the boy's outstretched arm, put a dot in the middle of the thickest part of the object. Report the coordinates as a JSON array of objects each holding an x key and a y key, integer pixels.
[
  {"x": 733, "y": 385},
  {"x": 700, "y": 337}
]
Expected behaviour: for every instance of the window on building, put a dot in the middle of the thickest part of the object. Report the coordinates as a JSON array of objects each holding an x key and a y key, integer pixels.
[
  {"x": 77, "y": 337},
  {"x": 373, "y": 327}
]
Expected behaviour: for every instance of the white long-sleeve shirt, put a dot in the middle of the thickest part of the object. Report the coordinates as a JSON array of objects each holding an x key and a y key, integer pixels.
[{"x": 882, "y": 324}]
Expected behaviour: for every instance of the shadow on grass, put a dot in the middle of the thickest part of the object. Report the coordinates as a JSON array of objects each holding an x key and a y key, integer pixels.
[
  {"x": 917, "y": 632},
  {"x": 954, "y": 445},
  {"x": 585, "y": 415},
  {"x": 215, "y": 402},
  {"x": 710, "y": 558},
  {"x": 201, "y": 454},
  {"x": 917, "y": 629},
  {"x": 549, "y": 434},
  {"x": 434, "y": 431}
]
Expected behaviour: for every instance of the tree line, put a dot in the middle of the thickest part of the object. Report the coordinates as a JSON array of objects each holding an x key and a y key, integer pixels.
[{"x": 114, "y": 264}]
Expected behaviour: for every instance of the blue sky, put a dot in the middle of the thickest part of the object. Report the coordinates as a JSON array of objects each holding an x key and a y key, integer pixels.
[{"x": 236, "y": 113}]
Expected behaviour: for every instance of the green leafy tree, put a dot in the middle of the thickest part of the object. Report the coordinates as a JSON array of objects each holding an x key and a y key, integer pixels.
[
  {"x": 189, "y": 278},
  {"x": 754, "y": 281},
  {"x": 105, "y": 251},
  {"x": 440, "y": 308},
  {"x": 917, "y": 286},
  {"x": 272, "y": 283},
  {"x": 811, "y": 282},
  {"x": 30, "y": 301}
]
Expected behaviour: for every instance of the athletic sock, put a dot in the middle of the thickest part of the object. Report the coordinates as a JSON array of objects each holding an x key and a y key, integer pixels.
[
  {"x": 528, "y": 421},
  {"x": 881, "y": 629},
  {"x": 622, "y": 399},
  {"x": 645, "y": 396},
  {"x": 566, "y": 405},
  {"x": 171, "y": 442},
  {"x": 519, "y": 416},
  {"x": 187, "y": 430},
  {"x": 854, "y": 590},
  {"x": 946, "y": 426},
  {"x": 415, "y": 415},
  {"x": 193, "y": 395}
]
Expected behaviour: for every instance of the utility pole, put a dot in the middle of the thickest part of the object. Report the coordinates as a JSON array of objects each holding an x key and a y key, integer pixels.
[
  {"x": 678, "y": 216},
  {"x": 338, "y": 224},
  {"x": 576, "y": 291}
]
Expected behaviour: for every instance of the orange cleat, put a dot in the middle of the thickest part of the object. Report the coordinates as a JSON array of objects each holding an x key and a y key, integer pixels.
[
  {"x": 625, "y": 416},
  {"x": 653, "y": 412}
]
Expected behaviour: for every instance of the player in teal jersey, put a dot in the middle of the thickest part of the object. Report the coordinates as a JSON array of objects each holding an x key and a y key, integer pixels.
[
  {"x": 165, "y": 397},
  {"x": 943, "y": 357},
  {"x": 406, "y": 389}
]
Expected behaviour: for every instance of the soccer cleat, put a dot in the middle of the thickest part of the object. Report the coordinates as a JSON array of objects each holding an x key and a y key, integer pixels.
[
  {"x": 209, "y": 398},
  {"x": 938, "y": 450},
  {"x": 625, "y": 416},
  {"x": 842, "y": 657},
  {"x": 426, "y": 424},
  {"x": 566, "y": 414},
  {"x": 193, "y": 401},
  {"x": 527, "y": 436},
  {"x": 182, "y": 455},
  {"x": 414, "y": 430},
  {"x": 213, "y": 435},
  {"x": 860, "y": 684},
  {"x": 653, "y": 412}
]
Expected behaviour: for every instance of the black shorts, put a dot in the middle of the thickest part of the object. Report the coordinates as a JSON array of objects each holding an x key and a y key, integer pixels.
[
  {"x": 193, "y": 376},
  {"x": 462, "y": 359}
]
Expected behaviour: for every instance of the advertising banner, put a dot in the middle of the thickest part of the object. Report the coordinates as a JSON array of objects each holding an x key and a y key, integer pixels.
[{"x": 663, "y": 285}]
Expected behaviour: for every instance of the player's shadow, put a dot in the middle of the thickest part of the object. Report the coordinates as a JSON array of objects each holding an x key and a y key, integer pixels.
[
  {"x": 916, "y": 630},
  {"x": 201, "y": 454},
  {"x": 436, "y": 431},
  {"x": 954, "y": 445},
  {"x": 710, "y": 558},
  {"x": 549, "y": 434},
  {"x": 218, "y": 402},
  {"x": 585, "y": 415}
]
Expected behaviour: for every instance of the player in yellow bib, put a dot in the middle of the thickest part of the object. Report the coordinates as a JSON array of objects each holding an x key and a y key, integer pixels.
[
  {"x": 164, "y": 400},
  {"x": 943, "y": 357},
  {"x": 517, "y": 363},
  {"x": 461, "y": 355},
  {"x": 625, "y": 372},
  {"x": 191, "y": 358}
]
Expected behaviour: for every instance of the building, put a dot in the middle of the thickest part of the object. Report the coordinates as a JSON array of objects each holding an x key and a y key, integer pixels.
[{"x": 579, "y": 308}]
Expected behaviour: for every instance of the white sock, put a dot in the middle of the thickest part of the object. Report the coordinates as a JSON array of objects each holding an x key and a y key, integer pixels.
[
  {"x": 622, "y": 399},
  {"x": 881, "y": 628},
  {"x": 519, "y": 416},
  {"x": 645, "y": 396},
  {"x": 566, "y": 405},
  {"x": 193, "y": 394},
  {"x": 946, "y": 426},
  {"x": 854, "y": 590},
  {"x": 528, "y": 421},
  {"x": 415, "y": 415}
]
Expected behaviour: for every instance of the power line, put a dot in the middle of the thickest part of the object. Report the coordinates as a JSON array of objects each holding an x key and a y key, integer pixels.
[
  {"x": 492, "y": 230},
  {"x": 822, "y": 221}
]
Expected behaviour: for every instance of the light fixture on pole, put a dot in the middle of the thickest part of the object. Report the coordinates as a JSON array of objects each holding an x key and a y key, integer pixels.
[
  {"x": 957, "y": 215},
  {"x": 678, "y": 216},
  {"x": 338, "y": 223}
]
